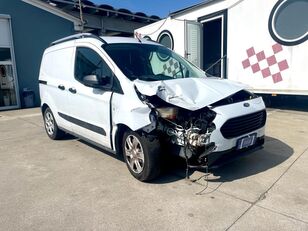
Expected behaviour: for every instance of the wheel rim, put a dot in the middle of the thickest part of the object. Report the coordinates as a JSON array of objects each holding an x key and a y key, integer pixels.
[
  {"x": 134, "y": 154},
  {"x": 49, "y": 123}
]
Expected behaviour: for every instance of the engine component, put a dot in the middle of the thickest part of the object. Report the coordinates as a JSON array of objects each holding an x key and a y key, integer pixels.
[
  {"x": 191, "y": 130},
  {"x": 168, "y": 112},
  {"x": 195, "y": 139}
]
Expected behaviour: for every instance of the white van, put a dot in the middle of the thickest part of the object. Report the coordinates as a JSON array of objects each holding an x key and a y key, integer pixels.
[{"x": 138, "y": 98}]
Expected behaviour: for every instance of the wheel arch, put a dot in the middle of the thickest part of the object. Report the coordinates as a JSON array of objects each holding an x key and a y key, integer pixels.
[
  {"x": 44, "y": 107},
  {"x": 121, "y": 129}
]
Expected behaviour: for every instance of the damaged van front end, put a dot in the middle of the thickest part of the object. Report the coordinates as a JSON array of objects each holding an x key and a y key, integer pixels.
[
  {"x": 171, "y": 101},
  {"x": 191, "y": 118}
]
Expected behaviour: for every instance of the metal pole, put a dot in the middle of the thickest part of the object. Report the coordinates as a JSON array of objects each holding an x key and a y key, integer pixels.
[{"x": 81, "y": 16}]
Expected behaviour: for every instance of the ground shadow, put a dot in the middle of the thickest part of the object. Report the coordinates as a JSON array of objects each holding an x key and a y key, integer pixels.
[
  {"x": 104, "y": 151},
  {"x": 238, "y": 166},
  {"x": 274, "y": 153},
  {"x": 68, "y": 136},
  {"x": 241, "y": 166}
]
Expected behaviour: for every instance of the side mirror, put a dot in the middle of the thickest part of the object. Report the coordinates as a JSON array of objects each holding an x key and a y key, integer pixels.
[{"x": 91, "y": 80}]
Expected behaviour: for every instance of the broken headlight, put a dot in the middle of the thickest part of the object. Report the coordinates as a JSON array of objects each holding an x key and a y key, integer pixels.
[{"x": 169, "y": 113}]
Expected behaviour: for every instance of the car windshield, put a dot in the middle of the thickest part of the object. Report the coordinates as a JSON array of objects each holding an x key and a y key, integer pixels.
[{"x": 150, "y": 62}]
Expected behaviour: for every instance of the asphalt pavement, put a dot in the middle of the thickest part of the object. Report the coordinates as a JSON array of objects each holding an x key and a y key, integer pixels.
[{"x": 70, "y": 185}]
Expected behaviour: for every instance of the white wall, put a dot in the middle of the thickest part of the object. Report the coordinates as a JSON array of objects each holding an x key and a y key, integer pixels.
[
  {"x": 176, "y": 28},
  {"x": 209, "y": 9},
  {"x": 247, "y": 27}
]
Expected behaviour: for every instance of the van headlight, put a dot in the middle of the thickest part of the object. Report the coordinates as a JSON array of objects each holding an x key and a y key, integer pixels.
[{"x": 169, "y": 113}]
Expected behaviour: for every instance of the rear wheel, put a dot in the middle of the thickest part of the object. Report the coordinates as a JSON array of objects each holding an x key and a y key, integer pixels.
[
  {"x": 141, "y": 155},
  {"x": 51, "y": 126}
]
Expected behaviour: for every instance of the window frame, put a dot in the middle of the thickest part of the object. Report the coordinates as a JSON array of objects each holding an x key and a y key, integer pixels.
[
  {"x": 115, "y": 83},
  {"x": 168, "y": 33},
  {"x": 113, "y": 77},
  {"x": 275, "y": 34},
  {"x": 12, "y": 62}
]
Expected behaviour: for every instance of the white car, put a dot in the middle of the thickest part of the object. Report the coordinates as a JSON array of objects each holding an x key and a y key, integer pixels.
[{"x": 137, "y": 98}]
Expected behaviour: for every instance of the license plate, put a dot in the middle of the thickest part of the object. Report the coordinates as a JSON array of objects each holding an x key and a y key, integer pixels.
[{"x": 247, "y": 141}]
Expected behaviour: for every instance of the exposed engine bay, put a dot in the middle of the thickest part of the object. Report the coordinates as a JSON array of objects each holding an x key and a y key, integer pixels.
[
  {"x": 189, "y": 129},
  {"x": 186, "y": 133},
  {"x": 184, "y": 124}
]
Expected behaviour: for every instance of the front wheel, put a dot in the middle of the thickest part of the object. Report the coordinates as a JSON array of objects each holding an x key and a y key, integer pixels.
[{"x": 141, "y": 155}]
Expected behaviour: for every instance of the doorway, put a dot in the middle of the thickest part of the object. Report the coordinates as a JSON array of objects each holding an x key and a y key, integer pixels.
[
  {"x": 215, "y": 44},
  {"x": 9, "y": 98}
]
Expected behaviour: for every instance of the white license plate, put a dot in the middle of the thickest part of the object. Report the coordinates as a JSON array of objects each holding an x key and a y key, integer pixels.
[{"x": 246, "y": 141}]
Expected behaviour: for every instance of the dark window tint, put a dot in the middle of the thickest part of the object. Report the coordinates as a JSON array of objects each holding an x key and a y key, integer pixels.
[
  {"x": 143, "y": 61},
  {"x": 5, "y": 54},
  {"x": 165, "y": 39},
  {"x": 292, "y": 19},
  {"x": 147, "y": 37},
  {"x": 288, "y": 22},
  {"x": 88, "y": 62}
]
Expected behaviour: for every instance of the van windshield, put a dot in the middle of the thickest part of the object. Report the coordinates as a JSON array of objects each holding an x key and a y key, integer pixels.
[{"x": 150, "y": 62}]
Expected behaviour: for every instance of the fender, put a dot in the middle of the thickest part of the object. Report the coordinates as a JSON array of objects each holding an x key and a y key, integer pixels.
[{"x": 129, "y": 110}]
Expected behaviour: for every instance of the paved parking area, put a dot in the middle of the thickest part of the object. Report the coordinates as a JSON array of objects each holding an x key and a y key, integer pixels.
[{"x": 69, "y": 185}]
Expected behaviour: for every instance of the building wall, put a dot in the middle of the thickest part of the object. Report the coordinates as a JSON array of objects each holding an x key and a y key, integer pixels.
[
  {"x": 176, "y": 28},
  {"x": 33, "y": 30},
  {"x": 253, "y": 56},
  {"x": 288, "y": 71}
]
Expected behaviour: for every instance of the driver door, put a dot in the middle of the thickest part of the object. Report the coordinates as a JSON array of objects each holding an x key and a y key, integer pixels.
[{"x": 90, "y": 106}]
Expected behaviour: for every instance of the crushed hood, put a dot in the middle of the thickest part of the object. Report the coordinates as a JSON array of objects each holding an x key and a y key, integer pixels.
[{"x": 190, "y": 93}]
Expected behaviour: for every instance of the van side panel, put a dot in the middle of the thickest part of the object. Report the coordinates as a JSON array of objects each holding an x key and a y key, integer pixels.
[{"x": 56, "y": 71}]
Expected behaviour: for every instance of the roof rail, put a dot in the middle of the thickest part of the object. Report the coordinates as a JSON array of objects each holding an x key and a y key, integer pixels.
[{"x": 77, "y": 36}]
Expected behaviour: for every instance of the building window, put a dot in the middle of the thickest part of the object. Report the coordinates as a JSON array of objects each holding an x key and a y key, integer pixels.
[
  {"x": 9, "y": 97},
  {"x": 7, "y": 82},
  {"x": 288, "y": 22},
  {"x": 165, "y": 38}
]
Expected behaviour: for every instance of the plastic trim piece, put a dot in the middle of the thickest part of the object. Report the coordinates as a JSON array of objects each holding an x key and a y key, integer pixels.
[
  {"x": 83, "y": 124},
  {"x": 43, "y": 82}
]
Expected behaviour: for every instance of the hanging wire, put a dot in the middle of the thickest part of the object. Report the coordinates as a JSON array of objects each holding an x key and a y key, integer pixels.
[{"x": 153, "y": 32}]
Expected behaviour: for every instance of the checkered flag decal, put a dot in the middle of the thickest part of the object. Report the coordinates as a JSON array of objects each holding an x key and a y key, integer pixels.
[
  {"x": 171, "y": 67},
  {"x": 269, "y": 65}
]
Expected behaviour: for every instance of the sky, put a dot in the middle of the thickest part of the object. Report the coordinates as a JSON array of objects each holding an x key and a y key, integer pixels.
[{"x": 160, "y": 8}]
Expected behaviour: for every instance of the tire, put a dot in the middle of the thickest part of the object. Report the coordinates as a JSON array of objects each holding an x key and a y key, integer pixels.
[
  {"x": 51, "y": 126},
  {"x": 141, "y": 155}
]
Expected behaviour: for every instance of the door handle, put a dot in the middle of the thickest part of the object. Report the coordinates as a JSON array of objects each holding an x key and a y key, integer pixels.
[
  {"x": 72, "y": 90},
  {"x": 61, "y": 87}
]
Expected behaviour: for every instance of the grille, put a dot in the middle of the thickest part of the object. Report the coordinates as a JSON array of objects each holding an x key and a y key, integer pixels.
[{"x": 244, "y": 124}]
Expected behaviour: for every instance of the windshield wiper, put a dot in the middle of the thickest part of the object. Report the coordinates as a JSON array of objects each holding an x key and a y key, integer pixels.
[{"x": 157, "y": 77}]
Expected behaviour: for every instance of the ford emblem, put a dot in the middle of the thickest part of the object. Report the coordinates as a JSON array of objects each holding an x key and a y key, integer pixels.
[{"x": 246, "y": 104}]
